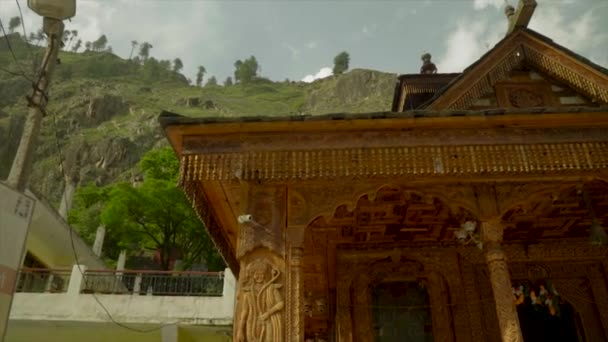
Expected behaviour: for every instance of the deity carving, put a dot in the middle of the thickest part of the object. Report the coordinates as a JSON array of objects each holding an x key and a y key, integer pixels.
[
  {"x": 522, "y": 98},
  {"x": 261, "y": 304}
]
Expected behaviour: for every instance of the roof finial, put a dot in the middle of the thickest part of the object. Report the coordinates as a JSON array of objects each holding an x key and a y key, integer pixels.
[
  {"x": 520, "y": 17},
  {"x": 427, "y": 67}
]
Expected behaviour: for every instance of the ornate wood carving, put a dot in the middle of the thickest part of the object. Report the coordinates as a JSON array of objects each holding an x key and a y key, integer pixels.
[
  {"x": 260, "y": 307},
  {"x": 578, "y": 292},
  {"x": 512, "y": 53},
  {"x": 295, "y": 316},
  {"x": 428, "y": 161},
  {"x": 364, "y": 269},
  {"x": 520, "y": 94},
  {"x": 473, "y": 303},
  {"x": 523, "y": 98}
]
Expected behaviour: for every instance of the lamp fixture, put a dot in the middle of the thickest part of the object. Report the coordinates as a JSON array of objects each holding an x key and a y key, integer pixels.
[
  {"x": 597, "y": 234},
  {"x": 467, "y": 234}
]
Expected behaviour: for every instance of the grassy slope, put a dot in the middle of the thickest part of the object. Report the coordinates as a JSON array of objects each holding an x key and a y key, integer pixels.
[{"x": 106, "y": 150}]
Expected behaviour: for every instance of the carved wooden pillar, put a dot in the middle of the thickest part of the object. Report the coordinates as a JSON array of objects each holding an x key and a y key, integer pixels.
[
  {"x": 344, "y": 326},
  {"x": 260, "y": 311},
  {"x": 496, "y": 259},
  {"x": 600, "y": 292},
  {"x": 295, "y": 285},
  {"x": 471, "y": 291}
]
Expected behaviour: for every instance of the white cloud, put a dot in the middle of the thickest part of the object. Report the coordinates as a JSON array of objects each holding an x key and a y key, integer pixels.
[
  {"x": 473, "y": 37},
  {"x": 369, "y": 30},
  {"x": 479, "y": 5},
  {"x": 311, "y": 44},
  {"x": 467, "y": 43},
  {"x": 295, "y": 53},
  {"x": 324, "y": 72},
  {"x": 575, "y": 33}
]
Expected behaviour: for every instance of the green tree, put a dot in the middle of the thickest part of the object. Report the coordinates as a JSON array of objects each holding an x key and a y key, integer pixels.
[
  {"x": 211, "y": 82},
  {"x": 77, "y": 46},
  {"x": 40, "y": 36},
  {"x": 341, "y": 63},
  {"x": 134, "y": 44},
  {"x": 13, "y": 24},
  {"x": 144, "y": 50},
  {"x": 246, "y": 70},
  {"x": 177, "y": 65},
  {"x": 199, "y": 75},
  {"x": 87, "y": 46},
  {"x": 100, "y": 43},
  {"x": 165, "y": 64},
  {"x": 228, "y": 81},
  {"x": 154, "y": 215}
]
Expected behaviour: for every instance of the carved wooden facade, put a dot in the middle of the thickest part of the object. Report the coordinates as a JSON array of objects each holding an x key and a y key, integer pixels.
[{"x": 517, "y": 147}]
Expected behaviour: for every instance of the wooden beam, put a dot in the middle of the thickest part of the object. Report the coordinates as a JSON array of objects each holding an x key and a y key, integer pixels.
[{"x": 523, "y": 14}]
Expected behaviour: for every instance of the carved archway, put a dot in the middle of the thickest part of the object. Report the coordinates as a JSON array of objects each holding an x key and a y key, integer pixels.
[{"x": 392, "y": 217}]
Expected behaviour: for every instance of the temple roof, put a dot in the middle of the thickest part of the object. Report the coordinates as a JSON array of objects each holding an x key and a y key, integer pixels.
[
  {"x": 502, "y": 42},
  {"x": 167, "y": 119}
]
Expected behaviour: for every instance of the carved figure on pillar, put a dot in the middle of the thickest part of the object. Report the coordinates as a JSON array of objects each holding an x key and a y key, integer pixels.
[{"x": 261, "y": 303}]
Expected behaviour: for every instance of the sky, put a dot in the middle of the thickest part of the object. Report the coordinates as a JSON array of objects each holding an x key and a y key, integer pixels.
[{"x": 298, "y": 39}]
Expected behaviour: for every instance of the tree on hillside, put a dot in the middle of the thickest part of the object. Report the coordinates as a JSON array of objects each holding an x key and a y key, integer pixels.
[
  {"x": 66, "y": 36},
  {"x": 155, "y": 215},
  {"x": 144, "y": 50},
  {"x": 246, "y": 70},
  {"x": 13, "y": 24},
  {"x": 77, "y": 46},
  {"x": 211, "y": 82},
  {"x": 228, "y": 81},
  {"x": 165, "y": 64},
  {"x": 341, "y": 63},
  {"x": 177, "y": 65},
  {"x": 134, "y": 44},
  {"x": 100, "y": 43},
  {"x": 151, "y": 69},
  {"x": 199, "y": 75},
  {"x": 40, "y": 36}
]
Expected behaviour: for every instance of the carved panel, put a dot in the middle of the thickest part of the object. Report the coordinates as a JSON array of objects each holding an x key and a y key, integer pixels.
[
  {"x": 415, "y": 161},
  {"x": 259, "y": 316},
  {"x": 558, "y": 212},
  {"x": 524, "y": 94}
]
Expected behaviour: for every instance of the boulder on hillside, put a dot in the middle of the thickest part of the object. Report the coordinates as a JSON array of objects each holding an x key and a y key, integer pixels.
[{"x": 104, "y": 107}]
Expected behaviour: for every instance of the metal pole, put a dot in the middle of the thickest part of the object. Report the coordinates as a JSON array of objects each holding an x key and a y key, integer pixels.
[
  {"x": 22, "y": 164},
  {"x": 10, "y": 258}
]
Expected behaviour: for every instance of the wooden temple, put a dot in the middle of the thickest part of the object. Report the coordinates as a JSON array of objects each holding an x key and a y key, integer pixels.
[{"x": 475, "y": 210}]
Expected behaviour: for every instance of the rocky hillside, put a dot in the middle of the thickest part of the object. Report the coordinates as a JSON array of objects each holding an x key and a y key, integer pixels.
[{"x": 103, "y": 110}]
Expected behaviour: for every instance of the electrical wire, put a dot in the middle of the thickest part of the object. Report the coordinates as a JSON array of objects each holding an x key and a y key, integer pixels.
[
  {"x": 76, "y": 258},
  {"x": 25, "y": 38},
  {"x": 10, "y": 48}
]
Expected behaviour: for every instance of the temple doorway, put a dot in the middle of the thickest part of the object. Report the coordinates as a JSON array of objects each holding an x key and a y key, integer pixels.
[
  {"x": 401, "y": 312},
  {"x": 538, "y": 324}
]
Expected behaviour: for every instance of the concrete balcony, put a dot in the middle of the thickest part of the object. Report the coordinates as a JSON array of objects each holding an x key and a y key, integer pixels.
[{"x": 59, "y": 305}]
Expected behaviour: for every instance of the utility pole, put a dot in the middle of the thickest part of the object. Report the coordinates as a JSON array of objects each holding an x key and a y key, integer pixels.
[
  {"x": 22, "y": 164},
  {"x": 15, "y": 207}
]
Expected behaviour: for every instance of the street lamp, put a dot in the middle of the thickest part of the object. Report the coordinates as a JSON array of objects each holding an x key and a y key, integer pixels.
[{"x": 55, "y": 9}]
